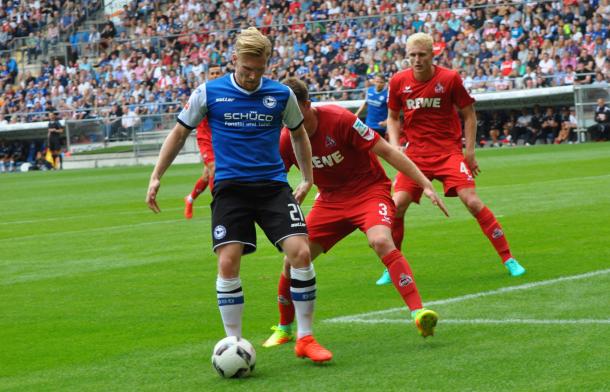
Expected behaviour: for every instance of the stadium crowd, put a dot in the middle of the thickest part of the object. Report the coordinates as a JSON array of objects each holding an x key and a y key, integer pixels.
[{"x": 149, "y": 59}]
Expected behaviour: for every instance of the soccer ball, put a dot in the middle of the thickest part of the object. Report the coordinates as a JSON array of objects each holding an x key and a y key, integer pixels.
[{"x": 233, "y": 357}]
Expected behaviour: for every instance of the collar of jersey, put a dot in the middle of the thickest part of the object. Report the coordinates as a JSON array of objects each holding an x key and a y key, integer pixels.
[{"x": 243, "y": 90}]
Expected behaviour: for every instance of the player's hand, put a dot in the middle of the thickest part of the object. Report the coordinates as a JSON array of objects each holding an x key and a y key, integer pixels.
[
  {"x": 436, "y": 200},
  {"x": 151, "y": 196},
  {"x": 301, "y": 191},
  {"x": 472, "y": 163}
]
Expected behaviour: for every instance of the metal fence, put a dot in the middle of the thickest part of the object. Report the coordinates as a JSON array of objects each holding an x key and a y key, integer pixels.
[{"x": 102, "y": 133}]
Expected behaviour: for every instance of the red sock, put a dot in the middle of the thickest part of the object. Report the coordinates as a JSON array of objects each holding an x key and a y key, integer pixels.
[
  {"x": 211, "y": 184},
  {"x": 402, "y": 277},
  {"x": 284, "y": 301},
  {"x": 398, "y": 231},
  {"x": 493, "y": 231},
  {"x": 199, "y": 187}
]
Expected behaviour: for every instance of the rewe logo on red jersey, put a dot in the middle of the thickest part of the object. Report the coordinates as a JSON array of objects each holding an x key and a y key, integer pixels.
[
  {"x": 419, "y": 103},
  {"x": 329, "y": 160}
]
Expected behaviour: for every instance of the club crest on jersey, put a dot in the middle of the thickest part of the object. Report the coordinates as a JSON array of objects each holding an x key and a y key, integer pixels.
[
  {"x": 269, "y": 102},
  {"x": 439, "y": 89},
  {"x": 187, "y": 106},
  {"x": 330, "y": 142},
  {"x": 220, "y": 232},
  {"x": 363, "y": 130},
  {"x": 407, "y": 90},
  {"x": 405, "y": 280}
]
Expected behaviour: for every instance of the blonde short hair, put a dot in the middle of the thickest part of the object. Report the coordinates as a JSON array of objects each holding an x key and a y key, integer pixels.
[
  {"x": 420, "y": 39},
  {"x": 252, "y": 42}
]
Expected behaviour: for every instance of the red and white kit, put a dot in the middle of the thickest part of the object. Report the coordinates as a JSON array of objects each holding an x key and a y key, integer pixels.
[{"x": 432, "y": 127}]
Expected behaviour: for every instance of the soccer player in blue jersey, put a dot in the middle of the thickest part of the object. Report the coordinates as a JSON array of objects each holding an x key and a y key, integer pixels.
[
  {"x": 376, "y": 100},
  {"x": 246, "y": 113}
]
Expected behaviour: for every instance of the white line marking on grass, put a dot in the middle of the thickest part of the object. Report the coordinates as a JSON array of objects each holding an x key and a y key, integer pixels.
[
  {"x": 490, "y": 321},
  {"x": 358, "y": 317}
]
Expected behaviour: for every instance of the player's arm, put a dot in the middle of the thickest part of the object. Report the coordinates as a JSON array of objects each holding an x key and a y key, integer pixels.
[
  {"x": 403, "y": 164},
  {"x": 169, "y": 150},
  {"x": 188, "y": 119},
  {"x": 302, "y": 153},
  {"x": 393, "y": 124},
  {"x": 362, "y": 107},
  {"x": 470, "y": 134}
]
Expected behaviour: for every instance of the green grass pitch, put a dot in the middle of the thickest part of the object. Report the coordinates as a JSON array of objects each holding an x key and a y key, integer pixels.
[{"x": 99, "y": 294}]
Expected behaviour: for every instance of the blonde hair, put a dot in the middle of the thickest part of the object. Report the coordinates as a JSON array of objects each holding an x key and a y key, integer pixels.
[
  {"x": 252, "y": 42},
  {"x": 420, "y": 39}
]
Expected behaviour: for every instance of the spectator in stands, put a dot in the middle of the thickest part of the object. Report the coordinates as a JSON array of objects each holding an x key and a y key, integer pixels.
[
  {"x": 544, "y": 31},
  {"x": 600, "y": 131},
  {"x": 107, "y": 35},
  {"x": 130, "y": 120}
]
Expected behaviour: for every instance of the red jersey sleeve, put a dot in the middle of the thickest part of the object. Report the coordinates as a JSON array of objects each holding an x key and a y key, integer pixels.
[
  {"x": 394, "y": 102},
  {"x": 459, "y": 94},
  {"x": 286, "y": 150}
]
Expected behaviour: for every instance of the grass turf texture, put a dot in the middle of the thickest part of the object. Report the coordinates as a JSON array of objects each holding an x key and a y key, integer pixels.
[{"x": 98, "y": 294}]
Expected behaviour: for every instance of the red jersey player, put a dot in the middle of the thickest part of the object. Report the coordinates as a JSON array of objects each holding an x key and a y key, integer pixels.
[
  {"x": 354, "y": 193},
  {"x": 204, "y": 141},
  {"x": 428, "y": 96}
]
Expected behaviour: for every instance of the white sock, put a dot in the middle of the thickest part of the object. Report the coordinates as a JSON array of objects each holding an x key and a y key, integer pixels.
[
  {"x": 230, "y": 303},
  {"x": 303, "y": 292}
]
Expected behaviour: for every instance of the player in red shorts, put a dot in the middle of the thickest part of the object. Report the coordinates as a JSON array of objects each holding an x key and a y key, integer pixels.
[
  {"x": 354, "y": 193},
  {"x": 204, "y": 141},
  {"x": 428, "y": 96}
]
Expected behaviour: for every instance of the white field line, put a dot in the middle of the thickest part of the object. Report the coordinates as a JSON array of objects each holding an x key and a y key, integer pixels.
[
  {"x": 488, "y": 321},
  {"x": 527, "y": 286}
]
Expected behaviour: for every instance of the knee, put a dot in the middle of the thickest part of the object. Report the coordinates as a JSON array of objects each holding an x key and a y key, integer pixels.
[
  {"x": 401, "y": 201},
  {"x": 300, "y": 257},
  {"x": 382, "y": 245},
  {"x": 227, "y": 267}
]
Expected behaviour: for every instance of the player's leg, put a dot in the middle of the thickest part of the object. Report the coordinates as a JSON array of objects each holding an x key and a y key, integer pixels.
[
  {"x": 211, "y": 166},
  {"x": 283, "y": 331},
  {"x": 404, "y": 188},
  {"x": 402, "y": 201},
  {"x": 491, "y": 228},
  {"x": 200, "y": 185},
  {"x": 233, "y": 234},
  {"x": 228, "y": 287},
  {"x": 281, "y": 218},
  {"x": 303, "y": 294},
  {"x": 380, "y": 239}
]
